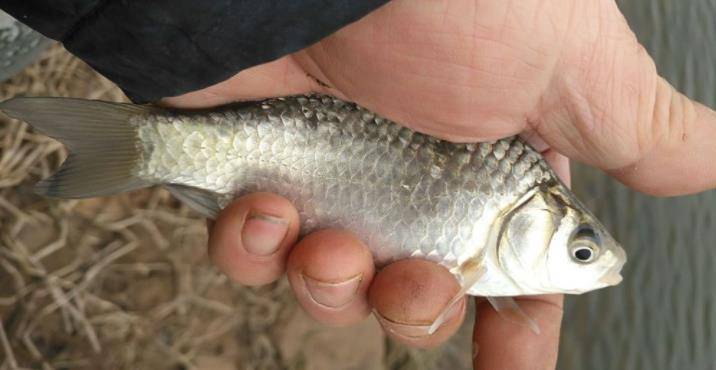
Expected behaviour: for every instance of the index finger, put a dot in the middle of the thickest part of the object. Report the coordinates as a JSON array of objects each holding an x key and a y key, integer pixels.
[{"x": 503, "y": 344}]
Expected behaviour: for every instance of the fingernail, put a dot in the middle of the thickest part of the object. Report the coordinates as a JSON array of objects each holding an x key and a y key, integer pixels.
[
  {"x": 262, "y": 234},
  {"x": 332, "y": 294},
  {"x": 417, "y": 330}
]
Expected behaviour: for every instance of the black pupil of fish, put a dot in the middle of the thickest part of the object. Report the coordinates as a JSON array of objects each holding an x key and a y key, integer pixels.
[{"x": 583, "y": 254}]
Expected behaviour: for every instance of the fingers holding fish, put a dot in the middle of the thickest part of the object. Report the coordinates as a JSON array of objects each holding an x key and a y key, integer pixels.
[
  {"x": 251, "y": 238},
  {"x": 507, "y": 344},
  {"x": 408, "y": 296},
  {"x": 330, "y": 272}
]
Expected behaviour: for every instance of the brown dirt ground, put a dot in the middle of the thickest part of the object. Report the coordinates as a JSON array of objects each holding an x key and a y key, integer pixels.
[{"x": 123, "y": 282}]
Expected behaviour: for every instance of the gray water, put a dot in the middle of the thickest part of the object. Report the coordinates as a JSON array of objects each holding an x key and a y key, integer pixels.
[{"x": 663, "y": 316}]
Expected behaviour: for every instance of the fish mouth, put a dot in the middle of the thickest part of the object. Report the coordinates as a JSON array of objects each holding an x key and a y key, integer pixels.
[
  {"x": 611, "y": 278},
  {"x": 613, "y": 275}
]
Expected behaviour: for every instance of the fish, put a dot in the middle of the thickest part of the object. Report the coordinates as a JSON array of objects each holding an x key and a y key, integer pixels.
[{"x": 493, "y": 213}]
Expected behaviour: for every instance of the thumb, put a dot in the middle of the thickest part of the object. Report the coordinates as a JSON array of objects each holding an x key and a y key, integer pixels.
[
  {"x": 607, "y": 106},
  {"x": 682, "y": 158},
  {"x": 665, "y": 144}
]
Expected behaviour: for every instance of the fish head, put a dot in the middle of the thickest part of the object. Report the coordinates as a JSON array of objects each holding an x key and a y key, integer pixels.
[{"x": 551, "y": 243}]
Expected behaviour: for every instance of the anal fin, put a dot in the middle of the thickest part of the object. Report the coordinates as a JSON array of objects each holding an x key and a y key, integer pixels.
[{"x": 203, "y": 201}]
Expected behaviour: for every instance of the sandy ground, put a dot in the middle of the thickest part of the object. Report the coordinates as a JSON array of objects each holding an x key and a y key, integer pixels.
[{"x": 124, "y": 283}]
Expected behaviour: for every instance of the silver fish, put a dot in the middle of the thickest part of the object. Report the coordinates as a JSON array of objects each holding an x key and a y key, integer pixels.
[{"x": 493, "y": 213}]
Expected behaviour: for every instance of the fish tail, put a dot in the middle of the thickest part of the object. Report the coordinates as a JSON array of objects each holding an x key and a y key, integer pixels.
[{"x": 103, "y": 143}]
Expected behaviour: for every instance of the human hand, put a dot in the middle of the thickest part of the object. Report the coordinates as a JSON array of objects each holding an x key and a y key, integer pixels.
[{"x": 569, "y": 75}]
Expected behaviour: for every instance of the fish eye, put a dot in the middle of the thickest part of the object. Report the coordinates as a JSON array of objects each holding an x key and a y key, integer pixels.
[
  {"x": 583, "y": 254},
  {"x": 585, "y": 244}
]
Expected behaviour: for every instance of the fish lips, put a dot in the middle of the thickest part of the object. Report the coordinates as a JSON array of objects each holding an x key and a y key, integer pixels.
[{"x": 613, "y": 275}]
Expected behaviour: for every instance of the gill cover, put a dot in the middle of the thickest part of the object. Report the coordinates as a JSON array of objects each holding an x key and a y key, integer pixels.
[
  {"x": 528, "y": 232},
  {"x": 552, "y": 243}
]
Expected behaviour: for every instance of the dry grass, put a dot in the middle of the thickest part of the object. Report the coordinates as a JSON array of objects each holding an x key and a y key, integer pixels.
[{"x": 123, "y": 282}]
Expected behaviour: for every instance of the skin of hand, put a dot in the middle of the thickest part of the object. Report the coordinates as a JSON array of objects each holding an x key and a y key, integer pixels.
[{"x": 569, "y": 75}]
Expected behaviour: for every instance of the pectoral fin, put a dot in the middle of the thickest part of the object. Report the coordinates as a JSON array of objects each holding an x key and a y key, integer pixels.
[
  {"x": 509, "y": 310},
  {"x": 472, "y": 274}
]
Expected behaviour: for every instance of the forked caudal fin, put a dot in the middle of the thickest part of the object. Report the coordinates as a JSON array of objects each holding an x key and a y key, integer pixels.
[{"x": 103, "y": 143}]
